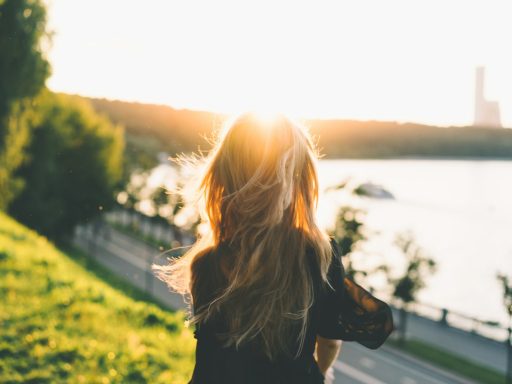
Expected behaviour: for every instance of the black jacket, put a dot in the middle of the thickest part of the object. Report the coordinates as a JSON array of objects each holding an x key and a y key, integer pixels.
[{"x": 347, "y": 312}]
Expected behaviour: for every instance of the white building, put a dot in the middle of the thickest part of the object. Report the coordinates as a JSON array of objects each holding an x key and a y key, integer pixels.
[{"x": 487, "y": 113}]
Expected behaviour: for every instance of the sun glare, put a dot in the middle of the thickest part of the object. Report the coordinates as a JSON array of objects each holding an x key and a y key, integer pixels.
[
  {"x": 266, "y": 118},
  {"x": 355, "y": 59}
]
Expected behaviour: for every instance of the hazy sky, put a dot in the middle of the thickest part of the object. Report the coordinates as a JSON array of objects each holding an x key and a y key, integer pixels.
[{"x": 405, "y": 60}]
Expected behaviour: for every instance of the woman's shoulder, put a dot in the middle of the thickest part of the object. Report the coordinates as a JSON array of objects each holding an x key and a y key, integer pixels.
[
  {"x": 207, "y": 270},
  {"x": 335, "y": 258},
  {"x": 201, "y": 260}
]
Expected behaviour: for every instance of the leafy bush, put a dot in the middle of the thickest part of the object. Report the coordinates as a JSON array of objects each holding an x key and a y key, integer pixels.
[{"x": 74, "y": 167}]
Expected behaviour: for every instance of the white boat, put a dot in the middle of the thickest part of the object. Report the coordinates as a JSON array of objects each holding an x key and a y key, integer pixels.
[{"x": 375, "y": 191}]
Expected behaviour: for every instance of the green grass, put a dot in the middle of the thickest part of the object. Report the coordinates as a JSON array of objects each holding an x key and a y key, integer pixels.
[
  {"x": 61, "y": 322},
  {"x": 449, "y": 361}
]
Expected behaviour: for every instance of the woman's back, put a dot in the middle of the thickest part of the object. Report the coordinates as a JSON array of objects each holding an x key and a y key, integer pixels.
[{"x": 369, "y": 323}]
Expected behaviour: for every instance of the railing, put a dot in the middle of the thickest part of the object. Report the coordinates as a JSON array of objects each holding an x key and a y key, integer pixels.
[
  {"x": 128, "y": 257},
  {"x": 154, "y": 231},
  {"x": 486, "y": 328}
]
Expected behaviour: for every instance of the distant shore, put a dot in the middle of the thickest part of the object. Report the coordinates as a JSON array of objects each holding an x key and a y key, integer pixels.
[{"x": 430, "y": 158}]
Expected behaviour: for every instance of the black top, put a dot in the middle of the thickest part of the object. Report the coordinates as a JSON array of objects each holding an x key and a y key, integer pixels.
[{"x": 347, "y": 313}]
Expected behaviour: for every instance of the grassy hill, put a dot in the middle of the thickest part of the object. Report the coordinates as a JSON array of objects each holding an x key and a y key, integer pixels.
[{"x": 61, "y": 323}]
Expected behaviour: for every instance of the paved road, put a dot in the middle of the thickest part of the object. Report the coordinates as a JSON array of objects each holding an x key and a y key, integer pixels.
[
  {"x": 358, "y": 364},
  {"x": 130, "y": 258},
  {"x": 471, "y": 346}
]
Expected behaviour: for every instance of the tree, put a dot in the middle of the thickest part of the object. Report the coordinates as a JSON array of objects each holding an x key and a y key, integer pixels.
[
  {"x": 23, "y": 72},
  {"x": 73, "y": 170},
  {"x": 507, "y": 301},
  {"x": 418, "y": 268},
  {"x": 507, "y": 293},
  {"x": 17, "y": 128},
  {"x": 349, "y": 232},
  {"x": 166, "y": 204}
]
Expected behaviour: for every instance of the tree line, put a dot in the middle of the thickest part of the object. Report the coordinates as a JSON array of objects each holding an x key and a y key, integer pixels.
[
  {"x": 60, "y": 161},
  {"x": 175, "y": 131}
]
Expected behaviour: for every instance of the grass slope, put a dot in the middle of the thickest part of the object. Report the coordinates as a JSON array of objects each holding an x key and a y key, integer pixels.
[{"x": 60, "y": 323}]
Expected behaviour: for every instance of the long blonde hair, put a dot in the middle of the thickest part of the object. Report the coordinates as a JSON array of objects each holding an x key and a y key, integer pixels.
[{"x": 258, "y": 193}]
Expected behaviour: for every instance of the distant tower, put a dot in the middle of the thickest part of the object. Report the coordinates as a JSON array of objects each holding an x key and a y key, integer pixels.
[{"x": 487, "y": 113}]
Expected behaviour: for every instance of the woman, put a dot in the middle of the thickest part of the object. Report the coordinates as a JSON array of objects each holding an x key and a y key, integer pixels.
[{"x": 267, "y": 285}]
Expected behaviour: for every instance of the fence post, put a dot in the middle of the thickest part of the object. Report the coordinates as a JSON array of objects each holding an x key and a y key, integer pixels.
[
  {"x": 444, "y": 315},
  {"x": 509, "y": 356},
  {"x": 403, "y": 324},
  {"x": 93, "y": 229},
  {"x": 149, "y": 274}
]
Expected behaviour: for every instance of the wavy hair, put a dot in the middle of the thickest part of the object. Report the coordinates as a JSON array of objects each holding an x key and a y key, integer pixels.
[{"x": 257, "y": 193}]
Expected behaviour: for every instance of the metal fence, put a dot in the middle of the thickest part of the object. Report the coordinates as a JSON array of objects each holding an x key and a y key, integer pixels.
[
  {"x": 153, "y": 230},
  {"x": 490, "y": 329}
]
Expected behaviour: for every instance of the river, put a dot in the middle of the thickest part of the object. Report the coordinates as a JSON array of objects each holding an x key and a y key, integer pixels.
[{"x": 459, "y": 211}]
